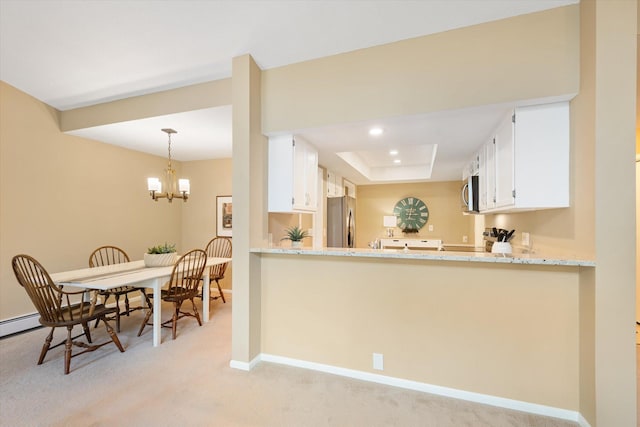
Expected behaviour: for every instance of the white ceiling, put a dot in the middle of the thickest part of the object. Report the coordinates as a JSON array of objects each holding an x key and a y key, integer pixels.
[{"x": 74, "y": 53}]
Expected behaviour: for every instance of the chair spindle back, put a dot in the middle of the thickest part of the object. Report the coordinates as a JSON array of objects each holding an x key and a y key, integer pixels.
[
  {"x": 45, "y": 295},
  {"x": 219, "y": 247},
  {"x": 186, "y": 274},
  {"x": 107, "y": 255}
]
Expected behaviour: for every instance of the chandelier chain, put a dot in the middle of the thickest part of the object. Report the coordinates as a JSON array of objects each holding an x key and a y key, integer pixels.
[{"x": 170, "y": 151}]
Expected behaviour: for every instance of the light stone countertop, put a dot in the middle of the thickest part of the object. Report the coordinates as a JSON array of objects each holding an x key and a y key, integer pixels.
[{"x": 533, "y": 259}]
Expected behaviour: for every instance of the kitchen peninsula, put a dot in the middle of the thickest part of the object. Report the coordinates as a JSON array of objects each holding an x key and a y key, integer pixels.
[
  {"x": 496, "y": 329},
  {"x": 485, "y": 257}
]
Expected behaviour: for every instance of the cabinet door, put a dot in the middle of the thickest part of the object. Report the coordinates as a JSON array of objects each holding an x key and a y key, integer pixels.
[
  {"x": 542, "y": 156},
  {"x": 504, "y": 152},
  {"x": 490, "y": 181},
  {"x": 280, "y": 181},
  {"x": 293, "y": 175},
  {"x": 331, "y": 184},
  {"x": 299, "y": 174},
  {"x": 482, "y": 178},
  {"x": 334, "y": 184},
  {"x": 339, "y": 186},
  {"x": 349, "y": 188},
  {"x": 311, "y": 178}
]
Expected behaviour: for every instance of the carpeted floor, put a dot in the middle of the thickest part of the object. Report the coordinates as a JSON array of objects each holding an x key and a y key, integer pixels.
[{"x": 188, "y": 382}]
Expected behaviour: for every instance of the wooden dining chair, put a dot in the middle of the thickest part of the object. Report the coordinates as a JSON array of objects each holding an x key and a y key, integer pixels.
[
  {"x": 219, "y": 247},
  {"x": 109, "y": 255},
  {"x": 183, "y": 285},
  {"x": 56, "y": 309}
]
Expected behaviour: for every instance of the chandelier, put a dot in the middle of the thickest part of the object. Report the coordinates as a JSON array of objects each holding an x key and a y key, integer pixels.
[{"x": 174, "y": 188}]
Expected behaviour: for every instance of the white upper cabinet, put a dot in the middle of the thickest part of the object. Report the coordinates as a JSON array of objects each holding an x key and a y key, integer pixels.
[
  {"x": 334, "y": 185},
  {"x": 349, "y": 188},
  {"x": 293, "y": 175},
  {"x": 525, "y": 166},
  {"x": 504, "y": 146},
  {"x": 486, "y": 173}
]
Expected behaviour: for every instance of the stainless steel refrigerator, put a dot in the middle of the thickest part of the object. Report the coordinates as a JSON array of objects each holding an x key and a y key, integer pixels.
[{"x": 341, "y": 226}]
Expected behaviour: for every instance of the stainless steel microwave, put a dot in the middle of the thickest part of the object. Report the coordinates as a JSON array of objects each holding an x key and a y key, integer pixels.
[{"x": 469, "y": 194}]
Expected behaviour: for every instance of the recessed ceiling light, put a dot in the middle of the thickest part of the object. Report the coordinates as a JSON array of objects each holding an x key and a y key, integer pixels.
[
  {"x": 375, "y": 131},
  {"x": 396, "y": 161},
  {"x": 393, "y": 152}
]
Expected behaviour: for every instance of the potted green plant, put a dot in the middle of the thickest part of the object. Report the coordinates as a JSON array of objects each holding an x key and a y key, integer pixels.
[
  {"x": 295, "y": 234},
  {"x": 161, "y": 255}
]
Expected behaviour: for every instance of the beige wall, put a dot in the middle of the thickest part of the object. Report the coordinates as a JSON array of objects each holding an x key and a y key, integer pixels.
[
  {"x": 615, "y": 96},
  {"x": 205, "y": 95},
  {"x": 442, "y": 200},
  {"x": 279, "y": 222},
  {"x": 500, "y": 61},
  {"x": 62, "y": 196},
  {"x": 503, "y": 330},
  {"x": 209, "y": 179},
  {"x": 250, "y": 219}
]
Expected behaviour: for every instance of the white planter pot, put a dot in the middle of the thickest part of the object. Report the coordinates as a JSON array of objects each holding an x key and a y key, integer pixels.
[
  {"x": 160, "y": 260},
  {"x": 501, "y": 248},
  {"x": 297, "y": 244}
]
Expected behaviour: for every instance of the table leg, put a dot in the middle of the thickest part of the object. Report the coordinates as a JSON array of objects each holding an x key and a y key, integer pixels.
[
  {"x": 157, "y": 322},
  {"x": 205, "y": 295}
]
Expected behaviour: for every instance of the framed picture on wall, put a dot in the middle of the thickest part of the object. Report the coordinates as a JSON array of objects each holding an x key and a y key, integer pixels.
[{"x": 224, "y": 210}]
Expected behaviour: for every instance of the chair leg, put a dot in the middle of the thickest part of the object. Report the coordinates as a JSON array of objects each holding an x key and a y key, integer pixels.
[
  {"x": 176, "y": 312},
  {"x": 87, "y": 333},
  {"x": 113, "y": 335},
  {"x": 106, "y": 297},
  {"x": 195, "y": 312},
  {"x": 126, "y": 305},
  {"x": 117, "y": 312},
  {"x": 220, "y": 290},
  {"x": 67, "y": 351},
  {"x": 45, "y": 346},
  {"x": 146, "y": 319}
]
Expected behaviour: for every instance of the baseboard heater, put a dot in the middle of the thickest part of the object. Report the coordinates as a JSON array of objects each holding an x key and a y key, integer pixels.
[
  {"x": 19, "y": 324},
  {"x": 30, "y": 321}
]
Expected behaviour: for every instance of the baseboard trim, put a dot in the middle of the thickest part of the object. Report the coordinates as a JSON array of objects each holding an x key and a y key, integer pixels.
[
  {"x": 245, "y": 366},
  {"x": 19, "y": 324},
  {"x": 486, "y": 399}
]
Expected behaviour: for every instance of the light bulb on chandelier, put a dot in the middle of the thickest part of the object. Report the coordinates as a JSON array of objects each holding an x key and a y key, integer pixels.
[{"x": 174, "y": 188}]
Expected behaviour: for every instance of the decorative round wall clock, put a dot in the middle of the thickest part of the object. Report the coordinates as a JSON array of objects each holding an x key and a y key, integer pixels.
[{"x": 412, "y": 213}]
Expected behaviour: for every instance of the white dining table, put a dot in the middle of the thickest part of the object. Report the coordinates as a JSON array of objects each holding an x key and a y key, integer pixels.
[{"x": 137, "y": 275}]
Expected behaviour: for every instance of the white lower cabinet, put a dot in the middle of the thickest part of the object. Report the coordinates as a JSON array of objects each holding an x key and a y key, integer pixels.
[
  {"x": 293, "y": 175},
  {"x": 525, "y": 165}
]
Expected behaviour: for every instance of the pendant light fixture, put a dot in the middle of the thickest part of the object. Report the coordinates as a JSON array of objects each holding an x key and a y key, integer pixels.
[{"x": 173, "y": 187}]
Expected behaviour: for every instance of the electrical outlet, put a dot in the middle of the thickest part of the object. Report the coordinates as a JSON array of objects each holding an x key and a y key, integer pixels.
[
  {"x": 465, "y": 239},
  {"x": 378, "y": 361},
  {"x": 525, "y": 239},
  {"x": 430, "y": 227}
]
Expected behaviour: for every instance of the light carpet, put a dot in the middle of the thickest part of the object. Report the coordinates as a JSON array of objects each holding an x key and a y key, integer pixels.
[{"x": 188, "y": 382}]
